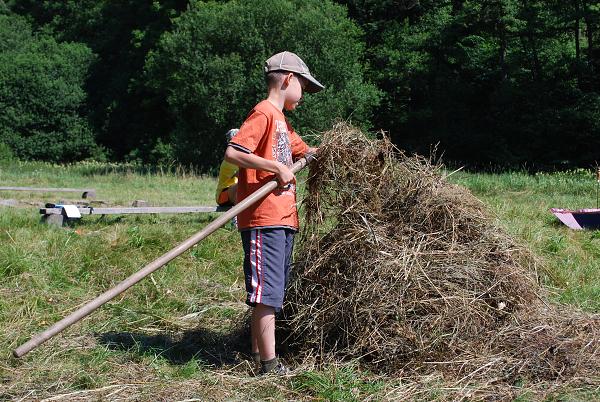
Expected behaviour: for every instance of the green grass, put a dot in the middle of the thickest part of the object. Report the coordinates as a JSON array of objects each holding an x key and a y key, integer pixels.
[
  {"x": 159, "y": 340},
  {"x": 343, "y": 383},
  {"x": 521, "y": 203}
]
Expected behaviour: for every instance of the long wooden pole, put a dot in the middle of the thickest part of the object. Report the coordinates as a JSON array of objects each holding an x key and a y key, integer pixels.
[{"x": 92, "y": 305}]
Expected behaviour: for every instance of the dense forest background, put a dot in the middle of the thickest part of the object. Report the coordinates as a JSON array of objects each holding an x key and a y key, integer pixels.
[{"x": 495, "y": 83}]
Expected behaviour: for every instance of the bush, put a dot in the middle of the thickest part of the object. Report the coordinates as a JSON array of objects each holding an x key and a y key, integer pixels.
[
  {"x": 159, "y": 154},
  {"x": 6, "y": 154},
  {"x": 41, "y": 94},
  {"x": 210, "y": 68}
]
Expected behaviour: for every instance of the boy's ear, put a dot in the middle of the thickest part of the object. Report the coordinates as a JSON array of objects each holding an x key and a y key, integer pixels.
[{"x": 286, "y": 80}]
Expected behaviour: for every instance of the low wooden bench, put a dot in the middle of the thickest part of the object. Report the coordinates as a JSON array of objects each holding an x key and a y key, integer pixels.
[
  {"x": 55, "y": 215},
  {"x": 85, "y": 192}
]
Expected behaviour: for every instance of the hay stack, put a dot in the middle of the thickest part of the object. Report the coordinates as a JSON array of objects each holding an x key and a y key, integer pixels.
[{"x": 407, "y": 273}]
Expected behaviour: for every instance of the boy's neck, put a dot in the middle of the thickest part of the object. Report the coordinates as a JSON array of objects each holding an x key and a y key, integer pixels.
[{"x": 276, "y": 98}]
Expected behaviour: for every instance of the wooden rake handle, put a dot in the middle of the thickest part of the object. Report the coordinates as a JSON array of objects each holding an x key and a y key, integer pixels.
[{"x": 92, "y": 305}]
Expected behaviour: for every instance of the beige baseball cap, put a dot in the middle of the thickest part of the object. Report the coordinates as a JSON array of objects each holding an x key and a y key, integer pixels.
[{"x": 288, "y": 61}]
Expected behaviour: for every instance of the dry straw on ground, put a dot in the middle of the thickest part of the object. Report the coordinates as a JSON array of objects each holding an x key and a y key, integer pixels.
[{"x": 409, "y": 274}]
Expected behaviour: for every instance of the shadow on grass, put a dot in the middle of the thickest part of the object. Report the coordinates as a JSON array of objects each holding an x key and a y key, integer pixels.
[{"x": 212, "y": 347}]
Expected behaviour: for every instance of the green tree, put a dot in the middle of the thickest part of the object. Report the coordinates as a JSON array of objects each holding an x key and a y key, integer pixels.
[
  {"x": 210, "y": 68},
  {"x": 500, "y": 82},
  {"x": 126, "y": 115},
  {"x": 41, "y": 94}
]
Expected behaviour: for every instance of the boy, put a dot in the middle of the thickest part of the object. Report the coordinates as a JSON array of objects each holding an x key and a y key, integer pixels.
[
  {"x": 227, "y": 185},
  {"x": 265, "y": 147}
]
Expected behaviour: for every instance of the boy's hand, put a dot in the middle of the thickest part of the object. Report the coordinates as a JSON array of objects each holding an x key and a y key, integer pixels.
[{"x": 284, "y": 175}]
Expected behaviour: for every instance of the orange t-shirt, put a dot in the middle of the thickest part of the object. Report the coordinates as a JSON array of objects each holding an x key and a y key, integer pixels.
[{"x": 267, "y": 133}]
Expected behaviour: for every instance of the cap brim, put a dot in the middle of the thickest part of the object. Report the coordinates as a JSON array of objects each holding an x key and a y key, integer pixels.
[{"x": 312, "y": 86}]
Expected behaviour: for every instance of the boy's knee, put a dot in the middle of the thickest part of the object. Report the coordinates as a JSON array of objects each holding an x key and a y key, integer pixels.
[{"x": 264, "y": 309}]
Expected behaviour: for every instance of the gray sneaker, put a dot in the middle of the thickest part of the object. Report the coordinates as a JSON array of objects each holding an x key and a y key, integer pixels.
[{"x": 274, "y": 366}]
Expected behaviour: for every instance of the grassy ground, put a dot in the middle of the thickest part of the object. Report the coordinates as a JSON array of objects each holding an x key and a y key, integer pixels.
[{"x": 171, "y": 337}]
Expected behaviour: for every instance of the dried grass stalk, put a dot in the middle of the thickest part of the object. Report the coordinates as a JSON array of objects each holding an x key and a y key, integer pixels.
[{"x": 409, "y": 274}]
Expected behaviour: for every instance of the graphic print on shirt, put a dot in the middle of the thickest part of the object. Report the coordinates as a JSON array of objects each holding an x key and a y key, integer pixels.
[{"x": 282, "y": 152}]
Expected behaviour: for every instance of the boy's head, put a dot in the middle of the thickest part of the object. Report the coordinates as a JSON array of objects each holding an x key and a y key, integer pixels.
[{"x": 279, "y": 67}]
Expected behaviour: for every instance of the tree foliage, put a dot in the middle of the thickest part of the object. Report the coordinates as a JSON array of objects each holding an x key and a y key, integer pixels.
[
  {"x": 501, "y": 82},
  {"x": 41, "y": 94},
  {"x": 126, "y": 115},
  {"x": 210, "y": 68},
  {"x": 493, "y": 82}
]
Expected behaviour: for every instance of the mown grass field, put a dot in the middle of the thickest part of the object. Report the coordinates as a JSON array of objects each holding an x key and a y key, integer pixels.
[{"x": 168, "y": 338}]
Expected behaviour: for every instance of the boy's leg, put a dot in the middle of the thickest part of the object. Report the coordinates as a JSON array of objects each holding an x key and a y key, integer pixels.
[
  {"x": 266, "y": 256},
  {"x": 254, "y": 332},
  {"x": 254, "y": 340},
  {"x": 263, "y": 331}
]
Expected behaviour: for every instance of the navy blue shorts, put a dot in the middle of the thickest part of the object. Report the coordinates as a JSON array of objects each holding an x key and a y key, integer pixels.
[{"x": 267, "y": 258}]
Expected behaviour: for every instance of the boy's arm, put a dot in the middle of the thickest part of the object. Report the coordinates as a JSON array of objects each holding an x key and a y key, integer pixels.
[{"x": 251, "y": 161}]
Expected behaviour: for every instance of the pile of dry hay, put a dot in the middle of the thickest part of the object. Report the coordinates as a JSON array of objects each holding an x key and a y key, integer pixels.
[{"x": 408, "y": 274}]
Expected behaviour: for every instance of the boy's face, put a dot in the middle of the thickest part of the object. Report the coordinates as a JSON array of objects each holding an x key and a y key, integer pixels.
[{"x": 295, "y": 85}]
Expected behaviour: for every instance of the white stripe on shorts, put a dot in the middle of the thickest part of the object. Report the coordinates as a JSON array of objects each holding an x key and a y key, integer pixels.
[
  {"x": 259, "y": 266},
  {"x": 253, "y": 265}
]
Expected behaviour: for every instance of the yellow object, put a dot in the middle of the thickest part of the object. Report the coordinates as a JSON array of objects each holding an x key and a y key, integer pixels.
[{"x": 227, "y": 177}]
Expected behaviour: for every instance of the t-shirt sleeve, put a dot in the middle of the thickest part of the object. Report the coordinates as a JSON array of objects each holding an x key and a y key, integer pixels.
[
  {"x": 251, "y": 132},
  {"x": 299, "y": 148}
]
